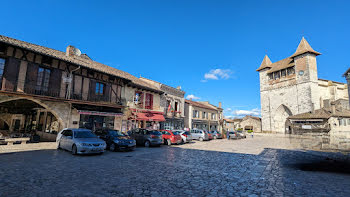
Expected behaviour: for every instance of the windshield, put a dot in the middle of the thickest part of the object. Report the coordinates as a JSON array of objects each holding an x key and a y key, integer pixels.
[
  {"x": 115, "y": 133},
  {"x": 176, "y": 133},
  {"x": 84, "y": 134}
]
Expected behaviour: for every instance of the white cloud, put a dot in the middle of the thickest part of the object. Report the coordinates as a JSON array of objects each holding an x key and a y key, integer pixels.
[
  {"x": 217, "y": 74},
  {"x": 253, "y": 112},
  {"x": 192, "y": 97},
  {"x": 239, "y": 113}
]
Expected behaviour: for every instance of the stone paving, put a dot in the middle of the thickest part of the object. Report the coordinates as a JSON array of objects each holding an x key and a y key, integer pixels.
[{"x": 259, "y": 166}]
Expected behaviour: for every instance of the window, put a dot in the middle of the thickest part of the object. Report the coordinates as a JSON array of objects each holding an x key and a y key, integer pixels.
[
  {"x": 348, "y": 121},
  {"x": 270, "y": 75},
  {"x": 340, "y": 122},
  {"x": 149, "y": 101},
  {"x": 176, "y": 106},
  {"x": 138, "y": 99},
  {"x": 283, "y": 72},
  {"x": 204, "y": 115},
  {"x": 195, "y": 114},
  {"x": 276, "y": 75},
  {"x": 213, "y": 116},
  {"x": 291, "y": 70},
  {"x": 2, "y": 66},
  {"x": 99, "y": 88},
  {"x": 42, "y": 83}
]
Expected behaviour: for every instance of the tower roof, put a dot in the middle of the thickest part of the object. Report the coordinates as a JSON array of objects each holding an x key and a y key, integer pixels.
[
  {"x": 304, "y": 47},
  {"x": 266, "y": 63}
]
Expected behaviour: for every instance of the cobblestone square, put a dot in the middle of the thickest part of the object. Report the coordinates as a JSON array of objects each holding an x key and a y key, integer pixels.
[{"x": 259, "y": 166}]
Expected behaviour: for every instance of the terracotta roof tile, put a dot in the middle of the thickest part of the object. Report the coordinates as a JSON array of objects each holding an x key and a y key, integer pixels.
[
  {"x": 199, "y": 104},
  {"x": 78, "y": 60},
  {"x": 304, "y": 47},
  {"x": 266, "y": 63}
]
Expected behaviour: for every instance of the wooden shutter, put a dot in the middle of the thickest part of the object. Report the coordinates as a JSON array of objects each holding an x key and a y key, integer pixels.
[
  {"x": 151, "y": 101},
  {"x": 31, "y": 77},
  {"x": 55, "y": 82},
  {"x": 92, "y": 89},
  {"x": 107, "y": 93},
  {"x": 11, "y": 74}
]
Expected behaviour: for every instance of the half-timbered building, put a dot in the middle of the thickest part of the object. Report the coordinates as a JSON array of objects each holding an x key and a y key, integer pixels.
[{"x": 43, "y": 90}]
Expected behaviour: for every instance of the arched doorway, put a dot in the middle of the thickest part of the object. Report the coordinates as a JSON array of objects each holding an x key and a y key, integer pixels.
[
  {"x": 281, "y": 115},
  {"x": 30, "y": 117}
]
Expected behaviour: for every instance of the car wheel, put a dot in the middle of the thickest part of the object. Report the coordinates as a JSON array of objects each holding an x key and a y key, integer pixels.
[
  {"x": 59, "y": 145},
  {"x": 168, "y": 142},
  {"x": 201, "y": 139},
  {"x": 183, "y": 141},
  {"x": 112, "y": 147},
  {"x": 74, "y": 149},
  {"x": 147, "y": 144}
]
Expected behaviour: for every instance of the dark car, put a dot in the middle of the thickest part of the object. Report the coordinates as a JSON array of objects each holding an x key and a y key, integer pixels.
[
  {"x": 216, "y": 135},
  {"x": 146, "y": 137},
  {"x": 116, "y": 140}
]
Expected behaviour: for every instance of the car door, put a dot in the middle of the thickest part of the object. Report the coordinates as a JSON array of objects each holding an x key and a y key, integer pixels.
[
  {"x": 69, "y": 139},
  {"x": 62, "y": 139}
]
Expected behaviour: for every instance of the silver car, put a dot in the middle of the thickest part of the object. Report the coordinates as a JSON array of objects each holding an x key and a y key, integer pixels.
[
  {"x": 198, "y": 134},
  {"x": 185, "y": 135},
  {"x": 80, "y": 141}
]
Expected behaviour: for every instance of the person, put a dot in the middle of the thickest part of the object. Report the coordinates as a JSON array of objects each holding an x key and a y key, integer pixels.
[{"x": 228, "y": 135}]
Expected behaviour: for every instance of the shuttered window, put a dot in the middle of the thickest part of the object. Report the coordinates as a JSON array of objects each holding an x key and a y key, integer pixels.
[
  {"x": 149, "y": 101},
  {"x": 42, "y": 82},
  {"x": 2, "y": 66},
  {"x": 99, "y": 89}
]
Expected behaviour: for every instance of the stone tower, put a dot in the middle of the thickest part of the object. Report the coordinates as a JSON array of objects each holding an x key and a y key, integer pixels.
[{"x": 288, "y": 87}]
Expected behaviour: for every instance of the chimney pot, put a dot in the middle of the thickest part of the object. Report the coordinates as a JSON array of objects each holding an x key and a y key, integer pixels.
[{"x": 220, "y": 105}]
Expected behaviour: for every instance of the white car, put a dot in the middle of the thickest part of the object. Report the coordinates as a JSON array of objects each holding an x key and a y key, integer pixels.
[
  {"x": 80, "y": 141},
  {"x": 185, "y": 135}
]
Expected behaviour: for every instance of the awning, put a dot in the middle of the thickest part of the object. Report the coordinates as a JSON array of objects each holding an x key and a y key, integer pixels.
[
  {"x": 98, "y": 113},
  {"x": 149, "y": 117}
]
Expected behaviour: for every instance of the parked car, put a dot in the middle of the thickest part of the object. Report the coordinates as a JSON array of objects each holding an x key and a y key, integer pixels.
[
  {"x": 185, "y": 135},
  {"x": 146, "y": 137},
  {"x": 171, "y": 137},
  {"x": 80, "y": 141},
  {"x": 116, "y": 140},
  {"x": 234, "y": 135},
  {"x": 198, "y": 134},
  {"x": 242, "y": 134},
  {"x": 210, "y": 136},
  {"x": 216, "y": 135}
]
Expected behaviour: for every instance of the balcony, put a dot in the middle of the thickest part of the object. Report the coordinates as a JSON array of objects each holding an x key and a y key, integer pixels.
[{"x": 59, "y": 94}]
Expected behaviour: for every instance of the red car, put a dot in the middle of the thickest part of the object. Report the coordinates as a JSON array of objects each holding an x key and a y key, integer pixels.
[
  {"x": 171, "y": 137},
  {"x": 209, "y": 135}
]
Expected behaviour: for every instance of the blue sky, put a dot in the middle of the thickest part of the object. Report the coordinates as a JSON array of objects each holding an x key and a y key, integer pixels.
[{"x": 181, "y": 42}]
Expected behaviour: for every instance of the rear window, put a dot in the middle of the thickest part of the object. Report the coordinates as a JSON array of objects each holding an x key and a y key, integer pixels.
[
  {"x": 154, "y": 133},
  {"x": 176, "y": 133}
]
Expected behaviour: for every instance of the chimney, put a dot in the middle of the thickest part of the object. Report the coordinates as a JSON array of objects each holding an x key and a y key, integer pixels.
[
  {"x": 333, "y": 107},
  {"x": 220, "y": 105},
  {"x": 71, "y": 51},
  {"x": 178, "y": 87}
]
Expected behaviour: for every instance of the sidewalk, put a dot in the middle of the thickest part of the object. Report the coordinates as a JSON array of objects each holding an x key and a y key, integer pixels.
[{"x": 27, "y": 147}]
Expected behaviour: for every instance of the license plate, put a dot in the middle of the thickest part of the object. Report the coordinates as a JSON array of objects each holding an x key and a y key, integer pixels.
[{"x": 131, "y": 145}]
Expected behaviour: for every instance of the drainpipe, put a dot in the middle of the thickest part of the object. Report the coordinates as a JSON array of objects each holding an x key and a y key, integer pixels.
[{"x": 68, "y": 91}]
